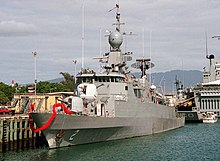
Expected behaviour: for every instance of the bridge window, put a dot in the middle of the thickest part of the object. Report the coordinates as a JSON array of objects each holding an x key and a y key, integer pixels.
[
  {"x": 112, "y": 79},
  {"x": 84, "y": 80},
  {"x": 109, "y": 79}
]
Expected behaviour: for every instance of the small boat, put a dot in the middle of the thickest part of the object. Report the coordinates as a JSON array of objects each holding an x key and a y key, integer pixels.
[{"x": 210, "y": 117}]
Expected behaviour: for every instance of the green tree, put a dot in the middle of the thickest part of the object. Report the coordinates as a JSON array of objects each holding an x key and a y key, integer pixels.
[
  {"x": 69, "y": 81},
  {"x": 7, "y": 92},
  {"x": 47, "y": 87},
  {"x": 3, "y": 98}
]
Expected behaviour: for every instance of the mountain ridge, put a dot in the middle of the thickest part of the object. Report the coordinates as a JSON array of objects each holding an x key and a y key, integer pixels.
[{"x": 188, "y": 78}]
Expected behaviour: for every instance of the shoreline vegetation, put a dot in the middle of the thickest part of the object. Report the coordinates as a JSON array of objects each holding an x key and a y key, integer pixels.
[{"x": 7, "y": 91}]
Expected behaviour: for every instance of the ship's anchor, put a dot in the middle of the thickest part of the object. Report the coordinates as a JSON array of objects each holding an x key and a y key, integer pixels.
[{"x": 59, "y": 136}]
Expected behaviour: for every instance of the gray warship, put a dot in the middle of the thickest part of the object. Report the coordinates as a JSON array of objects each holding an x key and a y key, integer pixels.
[{"x": 110, "y": 105}]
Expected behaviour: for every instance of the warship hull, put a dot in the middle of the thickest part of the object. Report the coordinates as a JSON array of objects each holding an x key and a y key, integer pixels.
[{"x": 68, "y": 130}]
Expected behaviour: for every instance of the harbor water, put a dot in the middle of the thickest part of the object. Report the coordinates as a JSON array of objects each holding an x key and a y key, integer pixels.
[{"x": 192, "y": 142}]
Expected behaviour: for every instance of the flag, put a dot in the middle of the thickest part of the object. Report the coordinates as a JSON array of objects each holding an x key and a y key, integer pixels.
[{"x": 31, "y": 89}]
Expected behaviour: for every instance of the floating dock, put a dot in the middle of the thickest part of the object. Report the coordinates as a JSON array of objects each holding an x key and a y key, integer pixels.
[{"x": 16, "y": 134}]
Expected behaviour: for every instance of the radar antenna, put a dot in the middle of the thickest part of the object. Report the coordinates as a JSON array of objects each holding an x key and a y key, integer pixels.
[{"x": 143, "y": 65}]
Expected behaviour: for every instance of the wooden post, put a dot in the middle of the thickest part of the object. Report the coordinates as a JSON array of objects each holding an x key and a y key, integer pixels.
[
  {"x": 5, "y": 134},
  {"x": 15, "y": 134},
  {"x": 11, "y": 131},
  {"x": 26, "y": 132},
  {"x": 1, "y": 135}
]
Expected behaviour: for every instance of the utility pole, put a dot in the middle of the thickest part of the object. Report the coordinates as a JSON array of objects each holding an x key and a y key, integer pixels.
[
  {"x": 74, "y": 90},
  {"x": 35, "y": 72},
  {"x": 75, "y": 61}
]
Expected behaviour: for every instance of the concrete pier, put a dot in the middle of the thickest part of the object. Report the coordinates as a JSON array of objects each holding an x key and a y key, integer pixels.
[{"x": 16, "y": 134}]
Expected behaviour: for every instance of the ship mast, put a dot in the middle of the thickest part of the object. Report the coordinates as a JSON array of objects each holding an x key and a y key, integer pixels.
[
  {"x": 118, "y": 23},
  {"x": 115, "y": 38},
  {"x": 83, "y": 34},
  {"x": 211, "y": 63},
  {"x": 117, "y": 18}
]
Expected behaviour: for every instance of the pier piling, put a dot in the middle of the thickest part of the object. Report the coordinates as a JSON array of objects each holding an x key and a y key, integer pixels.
[{"x": 16, "y": 134}]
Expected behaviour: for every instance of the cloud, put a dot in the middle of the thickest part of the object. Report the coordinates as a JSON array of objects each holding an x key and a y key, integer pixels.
[
  {"x": 54, "y": 28},
  {"x": 13, "y": 28}
]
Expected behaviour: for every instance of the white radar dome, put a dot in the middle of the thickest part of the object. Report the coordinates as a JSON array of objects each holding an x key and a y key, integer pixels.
[{"x": 115, "y": 39}]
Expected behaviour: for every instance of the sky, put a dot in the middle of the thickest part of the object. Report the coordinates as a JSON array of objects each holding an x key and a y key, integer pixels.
[{"x": 171, "y": 32}]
